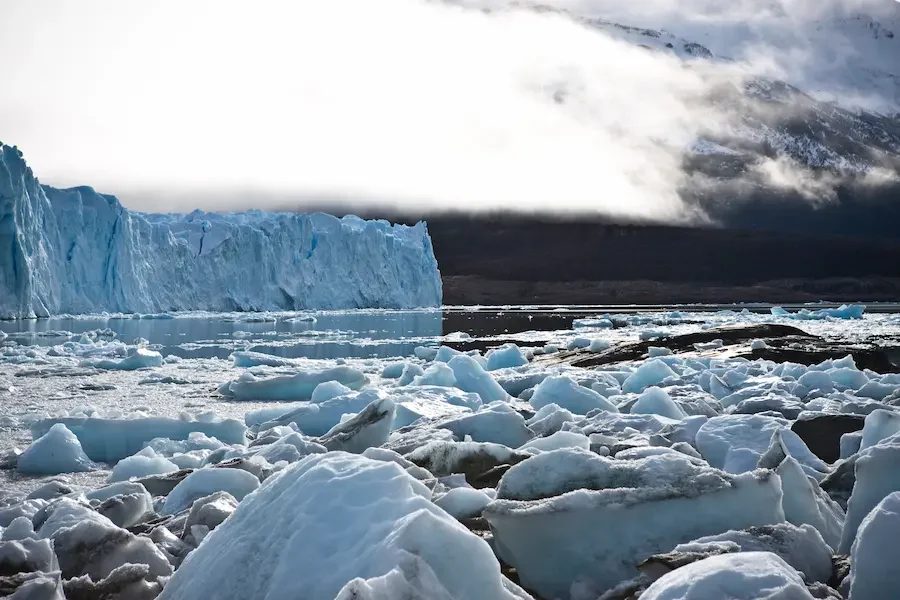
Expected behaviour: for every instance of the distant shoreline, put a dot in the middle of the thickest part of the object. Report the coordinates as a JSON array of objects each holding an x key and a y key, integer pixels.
[{"x": 472, "y": 289}]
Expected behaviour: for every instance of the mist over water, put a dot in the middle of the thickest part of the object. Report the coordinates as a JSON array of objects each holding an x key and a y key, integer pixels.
[{"x": 470, "y": 105}]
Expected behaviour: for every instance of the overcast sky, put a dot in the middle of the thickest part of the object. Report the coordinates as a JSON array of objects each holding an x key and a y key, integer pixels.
[{"x": 223, "y": 104}]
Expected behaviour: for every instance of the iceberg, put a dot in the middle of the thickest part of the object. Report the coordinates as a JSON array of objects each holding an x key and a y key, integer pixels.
[
  {"x": 111, "y": 440},
  {"x": 77, "y": 251},
  {"x": 57, "y": 451},
  {"x": 299, "y": 386}
]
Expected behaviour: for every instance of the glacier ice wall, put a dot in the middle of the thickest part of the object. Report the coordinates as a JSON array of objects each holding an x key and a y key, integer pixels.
[{"x": 76, "y": 251}]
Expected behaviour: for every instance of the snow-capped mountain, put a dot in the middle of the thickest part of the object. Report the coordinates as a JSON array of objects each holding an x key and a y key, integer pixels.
[{"x": 822, "y": 127}]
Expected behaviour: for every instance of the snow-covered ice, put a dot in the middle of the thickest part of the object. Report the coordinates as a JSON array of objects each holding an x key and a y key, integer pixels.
[
  {"x": 677, "y": 455},
  {"x": 272, "y": 546},
  {"x": 877, "y": 476},
  {"x": 204, "y": 482},
  {"x": 801, "y": 547},
  {"x": 742, "y": 576},
  {"x": 471, "y": 377},
  {"x": 143, "y": 463},
  {"x": 560, "y": 499},
  {"x": 874, "y": 574},
  {"x": 564, "y": 392},
  {"x": 299, "y": 386},
  {"x": 463, "y": 502}
]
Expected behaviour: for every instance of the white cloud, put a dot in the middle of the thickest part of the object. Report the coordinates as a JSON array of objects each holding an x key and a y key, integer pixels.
[{"x": 175, "y": 105}]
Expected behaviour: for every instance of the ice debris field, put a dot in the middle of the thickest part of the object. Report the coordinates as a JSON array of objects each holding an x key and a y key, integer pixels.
[{"x": 677, "y": 456}]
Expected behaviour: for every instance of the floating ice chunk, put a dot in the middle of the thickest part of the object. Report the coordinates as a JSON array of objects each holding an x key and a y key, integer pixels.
[
  {"x": 52, "y": 489},
  {"x": 21, "y": 528},
  {"x": 643, "y": 506},
  {"x": 370, "y": 428},
  {"x": 656, "y": 401},
  {"x": 407, "y": 547},
  {"x": 873, "y": 558},
  {"x": 204, "y": 482},
  {"x": 804, "y": 502},
  {"x": 25, "y": 555},
  {"x": 845, "y": 311},
  {"x": 599, "y": 345},
  {"x": 445, "y": 353},
  {"x": 471, "y": 377},
  {"x": 290, "y": 448},
  {"x": 877, "y": 476},
  {"x": 393, "y": 370},
  {"x": 110, "y": 440},
  {"x": 506, "y": 356},
  {"x": 491, "y": 424},
  {"x": 558, "y": 440},
  {"x": 759, "y": 345},
  {"x": 316, "y": 419},
  {"x": 801, "y": 547},
  {"x": 28, "y": 508},
  {"x": 410, "y": 372},
  {"x": 144, "y": 463},
  {"x": 817, "y": 380},
  {"x": 463, "y": 502},
  {"x": 847, "y": 377},
  {"x": 850, "y": 443},
  {"x": 57, "y": 451},
  {"x": 652, "y": 334},
  {"x": 880, "y": 424},
  {"x": 445, "y": 458},
  {"x": 74, "y": 527},
  {"x": 248, "y": 359},
  {"x": 125, "y": 504},
  {"x": 741, "y": 576},
  {"x": 425, "y": 353},
  {"x": 432, "y": 402},
  {"x": 299, "y": 386},
  {"x": 439, "y": 374},
  {"x": 578, "y": 343},
  {"x": 657, "y": 351},
  {"x": 37, "y": 585},
  {"x": 876, "y": 390},
  {"x": 736, "y": 442},
  {"x": 623, "y": 425},
  {"x": 712, "y": 345},
  {"x": 116, "y": 489},
  {"x": 210, "y": 511},
  {"x": 566, "y": 393},
  {"x": 652, "y": 372},
  {"x": 141, "y": 358},
  {"x": 328, "y": 390},
  {"x": 549, "y": 419}
]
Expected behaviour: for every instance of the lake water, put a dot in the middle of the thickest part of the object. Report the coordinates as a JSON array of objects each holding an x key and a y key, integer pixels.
[{"x": 361, "y": 333}]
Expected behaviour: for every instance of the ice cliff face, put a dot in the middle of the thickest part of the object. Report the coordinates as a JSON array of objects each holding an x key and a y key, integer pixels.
[{"x": 77, "y": 251}]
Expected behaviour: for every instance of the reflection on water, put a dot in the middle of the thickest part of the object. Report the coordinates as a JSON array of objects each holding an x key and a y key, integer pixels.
[
  {"x": 350, "y": 334},
  {"x": 328, "y": 335}
]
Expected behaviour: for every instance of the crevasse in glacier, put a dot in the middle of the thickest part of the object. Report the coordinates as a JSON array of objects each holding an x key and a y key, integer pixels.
[{"x": 77, "y": 251}]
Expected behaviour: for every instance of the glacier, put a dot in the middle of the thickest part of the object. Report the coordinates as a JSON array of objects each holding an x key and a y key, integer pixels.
[{"x": 76, "y": 251}]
